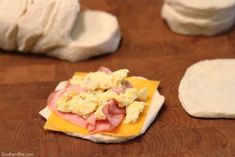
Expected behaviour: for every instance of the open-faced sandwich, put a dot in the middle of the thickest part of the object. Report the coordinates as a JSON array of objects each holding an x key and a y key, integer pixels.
[{"x": 103, "y": 106}]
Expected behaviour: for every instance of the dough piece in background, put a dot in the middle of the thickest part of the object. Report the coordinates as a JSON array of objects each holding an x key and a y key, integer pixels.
[
  {"x": 203, "y": 9},
  {"x": 207, "y": 89},
  {"x": 11, "y": 11},
  {"x": 182, "y": 24},
  {"x": 57, "y": 33},
  {"x": 209, "y": 5},
  {"x": 94, "y": 33},
  {"x": 32, "y": 24},
  {"x": 56, "y": 28}
]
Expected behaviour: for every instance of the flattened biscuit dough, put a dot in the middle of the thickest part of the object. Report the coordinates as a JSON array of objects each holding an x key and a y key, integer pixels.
[{"x": 207, "y": 89}]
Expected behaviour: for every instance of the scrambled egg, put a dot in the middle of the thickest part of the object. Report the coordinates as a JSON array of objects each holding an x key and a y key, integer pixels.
[
  {"x": 83, "y": 107},
  {"x": 100, "y": 80},
  {"x": 80, "y": 104},
  {"x": 99, "y": 86},
  {"x": 99, "y": 113},
  {"x": 133, "y": 111},
  {"x": 62, "y": 103},
  {"x": 128, "y": 97}
]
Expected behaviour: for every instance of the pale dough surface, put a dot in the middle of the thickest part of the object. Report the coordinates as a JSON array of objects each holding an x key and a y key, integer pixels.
[
  {"x": 89, "y": 41},
  {"x": 207, "y": 89},
  {"x": 57, "y": 32},
  {"x": 30, "y": 29},
  {"x": 183, "y": 24},
  {"x": 57, "y": 28},
  {"x": 10, "y": 12},
  {"x": 214, "y": 5},
  {"x": 206, "y": 13}
]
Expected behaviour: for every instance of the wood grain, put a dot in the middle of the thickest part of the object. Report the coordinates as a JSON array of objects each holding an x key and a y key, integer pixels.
[{"x": 149, "y": 49}]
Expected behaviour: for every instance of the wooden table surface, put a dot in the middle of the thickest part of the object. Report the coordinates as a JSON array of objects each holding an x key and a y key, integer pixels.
[{"x": 149, "y": 49}]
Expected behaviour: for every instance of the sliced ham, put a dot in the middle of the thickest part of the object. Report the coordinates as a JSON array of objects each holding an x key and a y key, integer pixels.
[
  {"x": 118, "y": 90},
  {"x": 112, "y": 109},
  {"x": 127, "y": 84},
  {"x": 101, "y": 125},
  {"x": 73, "y": 118},
  {"x": 113, "y": 113},
  {"x": 91, "y": 122},
  {"x": 114, "y": 116},
  {"x": 105, "y": 70}
]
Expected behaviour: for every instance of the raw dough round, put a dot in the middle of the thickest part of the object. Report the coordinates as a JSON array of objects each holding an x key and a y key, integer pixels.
[
  {"x": 207, "y": 89},
  {"x": 185, "y": 25},
  {"x": 208, "y": 5}
]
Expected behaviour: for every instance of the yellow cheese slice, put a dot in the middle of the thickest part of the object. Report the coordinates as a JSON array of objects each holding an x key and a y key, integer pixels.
[
  {"x": 82, "y": 74},
  {"x": 56, "y": 123}
]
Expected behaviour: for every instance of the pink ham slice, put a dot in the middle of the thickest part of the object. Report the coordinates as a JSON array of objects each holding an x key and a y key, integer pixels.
[
  {"x": 118, "y": 90},
  {"x": 127, "y": 84},
  {"x": 113, "y": 113},
  {"x": 105, "y": 70},
  {"x": 114, "y": 116},
  {"x": 73, "y": 118}
]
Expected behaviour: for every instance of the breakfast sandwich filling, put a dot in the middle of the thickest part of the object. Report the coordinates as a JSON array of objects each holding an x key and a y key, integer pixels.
[{"x": 100, "y": 102}]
